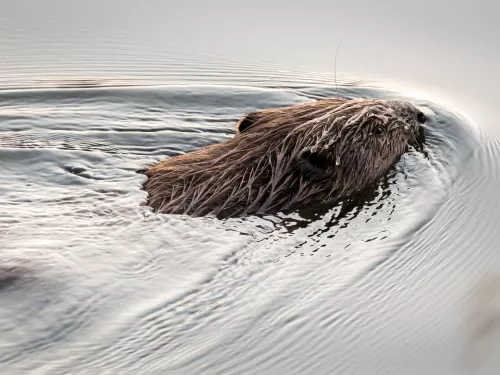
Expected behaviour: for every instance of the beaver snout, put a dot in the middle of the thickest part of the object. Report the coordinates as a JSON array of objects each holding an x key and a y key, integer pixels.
[{"x": 416, "y": 137}]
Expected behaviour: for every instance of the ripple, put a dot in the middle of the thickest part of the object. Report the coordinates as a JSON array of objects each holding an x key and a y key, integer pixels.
[{"x": 367, "y": 286}]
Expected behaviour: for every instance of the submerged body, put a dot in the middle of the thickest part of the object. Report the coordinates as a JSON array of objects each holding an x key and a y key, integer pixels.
[{"x": 286, "y": 158}]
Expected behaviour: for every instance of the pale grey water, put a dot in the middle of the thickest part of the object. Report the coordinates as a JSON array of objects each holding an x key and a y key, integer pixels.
[{"x": 92, "y": 91}]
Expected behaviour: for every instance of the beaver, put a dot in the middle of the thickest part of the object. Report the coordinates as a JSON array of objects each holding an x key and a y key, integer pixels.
[{"x": 286, "y": 158}]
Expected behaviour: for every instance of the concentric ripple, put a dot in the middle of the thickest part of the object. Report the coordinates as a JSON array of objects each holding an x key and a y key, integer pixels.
[{"x": 106, "y": 286}]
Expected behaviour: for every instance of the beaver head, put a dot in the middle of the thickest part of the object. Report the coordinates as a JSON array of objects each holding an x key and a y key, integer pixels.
[{"x": 284, "y": 158}]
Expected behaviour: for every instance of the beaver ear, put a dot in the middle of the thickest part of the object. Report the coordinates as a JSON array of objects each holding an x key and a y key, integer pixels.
[
  {"x": 247, "y": 122},
  {"x": 315, "y": 166}
]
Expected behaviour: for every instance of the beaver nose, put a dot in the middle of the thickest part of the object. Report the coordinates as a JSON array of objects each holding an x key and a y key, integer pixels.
[{"x": 421, "y": 118}]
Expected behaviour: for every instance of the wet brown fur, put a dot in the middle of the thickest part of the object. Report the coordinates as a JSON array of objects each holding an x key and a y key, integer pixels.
[{"x": 282, "y": 159}]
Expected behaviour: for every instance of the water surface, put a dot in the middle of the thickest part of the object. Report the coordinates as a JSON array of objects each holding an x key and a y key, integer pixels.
[{"x": 406, "y": 283}]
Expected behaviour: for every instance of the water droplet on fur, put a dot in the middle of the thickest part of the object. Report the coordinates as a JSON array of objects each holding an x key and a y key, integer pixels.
[
  {"x": 337, "y": 162},
  {"x": 325, "y": 147}
]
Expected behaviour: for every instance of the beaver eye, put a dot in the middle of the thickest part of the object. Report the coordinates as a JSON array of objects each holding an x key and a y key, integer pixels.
[
  {"x": 421, "y": 118},
  {"x": 379, "y": 130}
]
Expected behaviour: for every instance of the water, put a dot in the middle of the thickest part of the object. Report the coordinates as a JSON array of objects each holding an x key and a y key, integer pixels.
[{"x": 406, "y": 283}]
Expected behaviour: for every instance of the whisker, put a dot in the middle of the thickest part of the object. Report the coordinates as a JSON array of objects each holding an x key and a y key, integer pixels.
[{"x": 336, "y": 52}]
